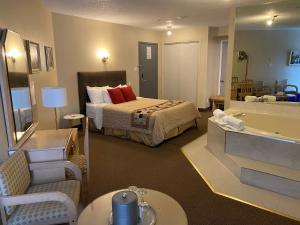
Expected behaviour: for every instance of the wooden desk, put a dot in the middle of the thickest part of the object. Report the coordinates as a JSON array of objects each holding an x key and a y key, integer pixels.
[{"x": 50, "y": 145}]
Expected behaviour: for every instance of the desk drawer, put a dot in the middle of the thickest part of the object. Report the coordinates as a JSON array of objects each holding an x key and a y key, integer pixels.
[{"x": 45, "y": 155}]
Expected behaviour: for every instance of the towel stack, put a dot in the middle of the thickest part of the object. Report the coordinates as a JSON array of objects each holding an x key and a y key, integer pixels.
[
  {"x": 250, "y": 98},
  {"x": 229, "y": 121}
]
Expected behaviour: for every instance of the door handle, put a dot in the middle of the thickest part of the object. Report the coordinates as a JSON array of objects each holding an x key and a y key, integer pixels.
[
  {"x": 221, "y": 81},
  {"x": 142, "y": 78}
]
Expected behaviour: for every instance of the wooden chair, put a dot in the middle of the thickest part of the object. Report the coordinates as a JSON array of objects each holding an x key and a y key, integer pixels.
[{"x": 43, "y": 204}]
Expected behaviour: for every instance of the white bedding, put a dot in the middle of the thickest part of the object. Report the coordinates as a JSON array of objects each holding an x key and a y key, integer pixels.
[{"x": 95, "y": 112}]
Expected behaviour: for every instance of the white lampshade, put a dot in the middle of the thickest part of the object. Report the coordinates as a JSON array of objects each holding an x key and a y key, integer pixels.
[
  {"x": 54, "y": 97},
  {"x": 20, "y": 97}
]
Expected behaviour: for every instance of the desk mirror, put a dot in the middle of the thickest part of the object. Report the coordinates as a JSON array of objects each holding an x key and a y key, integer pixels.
[
  {"x": 266, "y": 61},
  {"x": 15, "y": 88}
]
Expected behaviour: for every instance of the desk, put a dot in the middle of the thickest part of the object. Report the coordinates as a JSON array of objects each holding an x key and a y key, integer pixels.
[
  {"x": 50, "y": 145},
  {"x": 168, "y": 210}
]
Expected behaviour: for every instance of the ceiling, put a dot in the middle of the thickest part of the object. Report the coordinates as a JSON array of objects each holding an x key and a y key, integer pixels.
[
  {"x": 287, "y": 15},
  {"x": 153, "y": 14}
]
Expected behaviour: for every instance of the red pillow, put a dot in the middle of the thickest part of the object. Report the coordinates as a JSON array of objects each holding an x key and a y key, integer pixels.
[
  {"x": 116, "y": 95},
  {"x": 128, "y": 93}
]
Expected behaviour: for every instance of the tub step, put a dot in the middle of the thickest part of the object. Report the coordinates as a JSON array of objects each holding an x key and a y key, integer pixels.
[
  {"x": 276, "y": 170},
  {"x": 270, "y": 182},
  {"x": 275, "y": 178}
]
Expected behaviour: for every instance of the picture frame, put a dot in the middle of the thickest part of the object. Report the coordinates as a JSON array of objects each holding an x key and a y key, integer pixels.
[
  {"x": 33, "y": 56},
  {"x": 49, "y": 58},
  {"x": 294, "y": 59}
]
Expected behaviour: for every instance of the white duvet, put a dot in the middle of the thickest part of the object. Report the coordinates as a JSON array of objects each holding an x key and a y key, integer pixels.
[{"x": 95, "y": 112}]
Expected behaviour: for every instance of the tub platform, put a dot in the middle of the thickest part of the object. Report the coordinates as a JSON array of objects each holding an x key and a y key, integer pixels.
[{"x": 258, "y": 160}]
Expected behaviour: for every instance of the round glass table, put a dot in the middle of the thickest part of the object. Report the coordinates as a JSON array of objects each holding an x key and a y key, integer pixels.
[{"x": 167, "y": 209}]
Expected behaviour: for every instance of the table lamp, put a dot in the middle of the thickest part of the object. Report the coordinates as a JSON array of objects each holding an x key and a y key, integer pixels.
[
  {"x": 54, "y": 97},
  {"x": 20, "y": 100}
]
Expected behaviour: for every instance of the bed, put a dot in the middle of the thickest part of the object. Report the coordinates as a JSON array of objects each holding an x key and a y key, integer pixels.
[{"x": 144, "y": 120}]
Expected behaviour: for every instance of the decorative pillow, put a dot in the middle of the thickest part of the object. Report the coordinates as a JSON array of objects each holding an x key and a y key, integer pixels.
[
  {"x": 95, "y": 94},
  {"x": 116, "y": 95},
  {"x": 128, "y": 93},
  {"x": 106, "y": 97}
]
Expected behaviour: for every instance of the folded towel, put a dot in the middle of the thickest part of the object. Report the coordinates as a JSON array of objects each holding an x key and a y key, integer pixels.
[
  {"x": 234, "y": 123},
  {"x": 269, "y": 98},
  {"x": 219, "y": 114},
  {"x": 250, "y": 98}
]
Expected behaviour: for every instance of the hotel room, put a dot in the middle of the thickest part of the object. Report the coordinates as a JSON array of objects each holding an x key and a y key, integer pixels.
[{"x": 167, "y": 112}]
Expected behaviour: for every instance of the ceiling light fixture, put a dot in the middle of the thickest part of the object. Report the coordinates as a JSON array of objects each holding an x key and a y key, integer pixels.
[
  {"x": 271, "y": 21},
  {"x": 169, "y": 32}
]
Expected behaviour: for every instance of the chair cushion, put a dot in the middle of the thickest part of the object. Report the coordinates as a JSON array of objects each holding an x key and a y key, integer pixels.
[
  {"x": 46, "y": 212},
  {"x": 14, "y": 177}
]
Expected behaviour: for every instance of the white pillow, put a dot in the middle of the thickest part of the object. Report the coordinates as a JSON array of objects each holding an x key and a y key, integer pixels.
[
  {"x": 95, "y": 94},
  {"x": 121, "y": 85},
  {"x": 106, "y": 96}
]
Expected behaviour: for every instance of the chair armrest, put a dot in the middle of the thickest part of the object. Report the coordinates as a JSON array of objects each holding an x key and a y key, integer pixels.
[
  {"x": 58, "y": 164},
  {"x": 41, "y": 197}
]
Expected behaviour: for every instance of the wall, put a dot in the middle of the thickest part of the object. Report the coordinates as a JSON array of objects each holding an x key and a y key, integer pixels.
[
  {"x": 76, "y": 42},
  {"x": 268, "y": 52},
  {"x": 32, "y": 20},
  {"x": 195, "y": 34}
]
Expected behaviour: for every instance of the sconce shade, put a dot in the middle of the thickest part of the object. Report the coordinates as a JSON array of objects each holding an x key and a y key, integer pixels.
[
  {"x": 20, "y": 98},
  {"x": 54, "y": 97}
]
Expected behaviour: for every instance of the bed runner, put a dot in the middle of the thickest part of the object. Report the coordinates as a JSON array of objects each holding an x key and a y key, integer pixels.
[{"x": 140, "y": 117}]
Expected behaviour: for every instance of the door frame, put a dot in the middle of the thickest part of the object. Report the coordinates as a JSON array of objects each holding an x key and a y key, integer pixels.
[
  {"x": 139, "y": 65},
  {"x": 220, "y": 64}
]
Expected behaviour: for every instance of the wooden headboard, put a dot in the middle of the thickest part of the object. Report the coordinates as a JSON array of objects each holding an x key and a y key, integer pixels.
[{"x": 103, "y": 78}]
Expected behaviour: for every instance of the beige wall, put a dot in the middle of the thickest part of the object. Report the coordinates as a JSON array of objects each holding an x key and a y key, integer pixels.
[
  {"x": 76, "y": 42},
  {"x": 195, "y": 34},
  {"x": 32, "y": 21}
]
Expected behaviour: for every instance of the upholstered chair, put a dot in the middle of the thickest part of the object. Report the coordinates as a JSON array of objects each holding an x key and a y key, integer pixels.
[{"x": 24, "y": 204}]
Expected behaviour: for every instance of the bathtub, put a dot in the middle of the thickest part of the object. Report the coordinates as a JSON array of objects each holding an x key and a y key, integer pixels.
[
  {"x": 272, "y": 126},
  {"x": 268, "y": 138}
]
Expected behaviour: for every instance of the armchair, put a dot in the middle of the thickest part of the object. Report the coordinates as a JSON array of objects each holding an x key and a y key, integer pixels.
[{"x": 25, "y": 204}]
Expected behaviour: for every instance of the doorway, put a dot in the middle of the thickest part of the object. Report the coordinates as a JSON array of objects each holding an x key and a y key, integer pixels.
[
  {"x": 148, "y": 69},
  {"x": 223, "y": 67}
]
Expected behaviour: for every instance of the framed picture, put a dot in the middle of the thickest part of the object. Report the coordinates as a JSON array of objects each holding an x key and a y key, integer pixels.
[
  {"x": 49, "y": 58},
  {"x": 33, "y": 56},
  {"x": 294, "y": 58}
]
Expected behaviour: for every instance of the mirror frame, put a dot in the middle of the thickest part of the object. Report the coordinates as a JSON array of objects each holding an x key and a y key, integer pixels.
[{"x": 13, "y": 144}]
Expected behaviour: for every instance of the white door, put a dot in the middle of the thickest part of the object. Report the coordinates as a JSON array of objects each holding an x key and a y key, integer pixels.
[
  {"x": 223, "y": 66},
  {"x": 181, "y": 70}
]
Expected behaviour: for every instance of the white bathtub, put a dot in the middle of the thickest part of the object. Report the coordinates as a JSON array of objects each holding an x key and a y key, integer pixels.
[{"x": 285, "y": 128}]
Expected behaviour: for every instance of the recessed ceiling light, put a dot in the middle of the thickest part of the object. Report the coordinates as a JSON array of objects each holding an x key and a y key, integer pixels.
[{"x": 169, "y": 32}]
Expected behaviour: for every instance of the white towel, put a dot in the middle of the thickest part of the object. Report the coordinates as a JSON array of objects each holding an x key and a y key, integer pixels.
[
  {"x": 270, "y": 98},
  {"x": 249, "y": 98},
  {"x": 219, "y": 114},
  {"x": 234, "y": 123}
]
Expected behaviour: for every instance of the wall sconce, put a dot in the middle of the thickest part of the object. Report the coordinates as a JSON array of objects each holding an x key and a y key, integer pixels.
[
  {"x": 103, "y": 55},
  {"x": 13, "y": 54}
]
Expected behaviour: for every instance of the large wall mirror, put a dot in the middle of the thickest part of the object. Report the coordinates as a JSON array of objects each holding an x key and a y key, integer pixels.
[
  {"x": 266, "y": 62},
  {"x": 15, "y": 89}
]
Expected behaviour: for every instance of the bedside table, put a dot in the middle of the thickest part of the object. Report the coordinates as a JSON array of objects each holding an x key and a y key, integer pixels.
[{"x": 72, "y": 117}]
